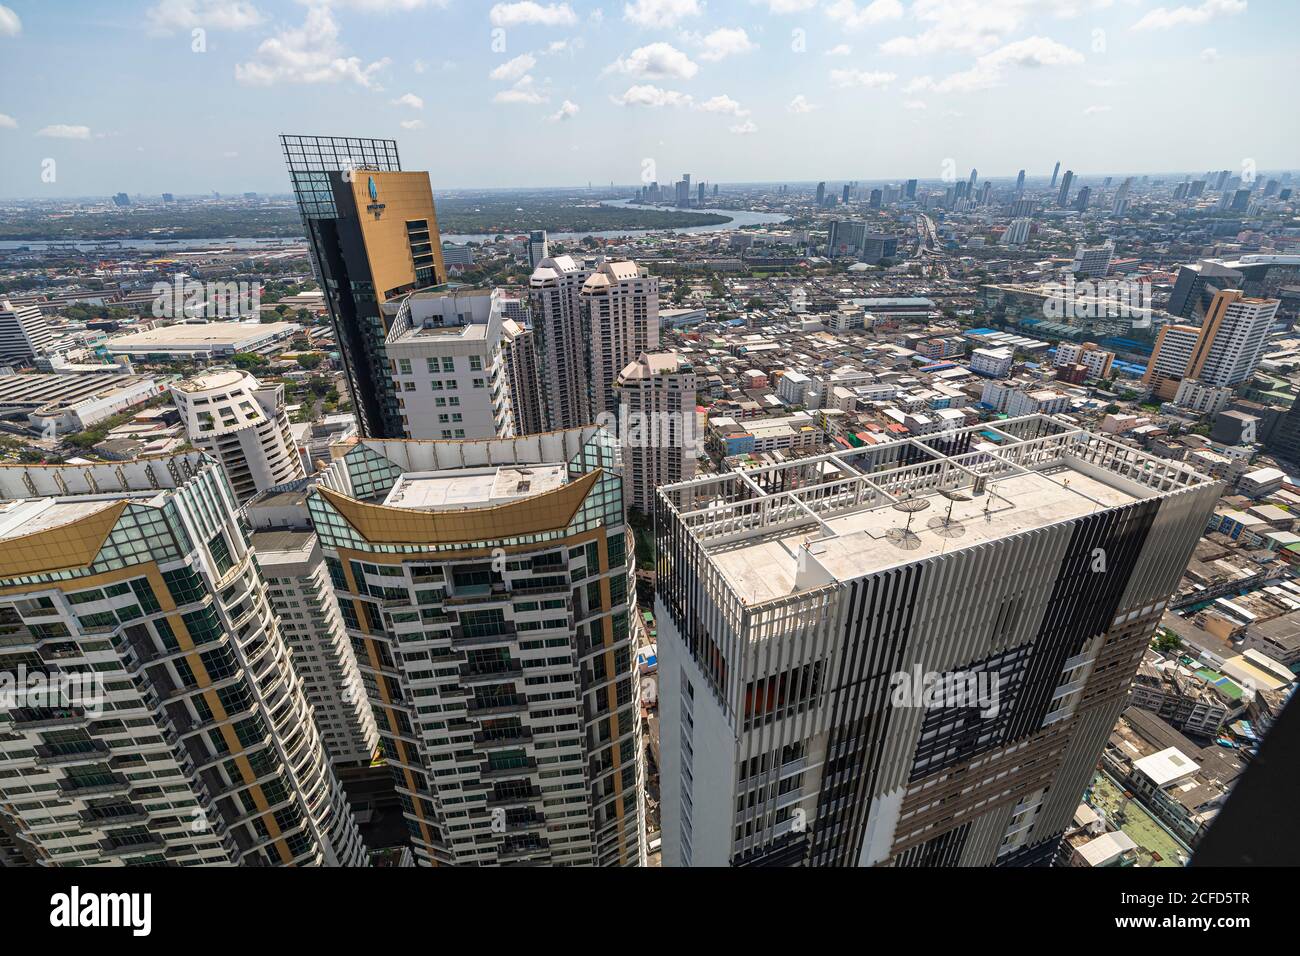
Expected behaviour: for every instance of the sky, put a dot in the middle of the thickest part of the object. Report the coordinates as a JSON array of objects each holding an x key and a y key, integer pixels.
[{"x": 188, "y": 96}]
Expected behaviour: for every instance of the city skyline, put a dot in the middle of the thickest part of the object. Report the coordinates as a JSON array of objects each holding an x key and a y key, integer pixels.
[{"x": 598, "y": 91}]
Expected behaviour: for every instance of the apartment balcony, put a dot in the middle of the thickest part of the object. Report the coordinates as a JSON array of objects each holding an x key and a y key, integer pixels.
[
  {"x": 496, "y": 593},
  {"x": 517, "y": 853},
  {"x": 106, "y": 818},
  {"x": 150, "y": 844},
  {"x": 68, "y": 755},
  {"x": 487, "y": 772},
  {"x": 501, "y": 634},
  {"x": 496, "y": 706},
  {"x": 515, "y": 798},
  {"x": 470, "y": 676},
  {"x": 102, "y": 785},
  {"x": 502, "y": 739},
  {"x": 47, "y": 718}
]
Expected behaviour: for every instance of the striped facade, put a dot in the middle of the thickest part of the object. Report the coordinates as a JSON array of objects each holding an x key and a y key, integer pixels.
[{"x": 783, "y": 740}]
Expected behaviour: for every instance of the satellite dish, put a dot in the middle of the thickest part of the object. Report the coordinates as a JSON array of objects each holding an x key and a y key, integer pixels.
[
  {"x": 903, "y": 538},
  {"x": 909, "y": 506}
]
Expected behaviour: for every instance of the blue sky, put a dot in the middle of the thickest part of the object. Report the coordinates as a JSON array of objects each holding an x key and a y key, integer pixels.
[{"x": 125, "y": 95}]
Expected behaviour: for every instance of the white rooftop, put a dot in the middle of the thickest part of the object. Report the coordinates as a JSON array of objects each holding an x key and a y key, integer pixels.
[
  {"x": 1167, "y": 766},
  {"x": 473, "y": 487}
]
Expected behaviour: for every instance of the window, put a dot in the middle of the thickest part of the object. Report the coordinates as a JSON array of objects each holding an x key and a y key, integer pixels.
[
  {"x": 404, "y": 366},
  {"x": 448, "y": 364},
  {"x": 475, "y": 363}
]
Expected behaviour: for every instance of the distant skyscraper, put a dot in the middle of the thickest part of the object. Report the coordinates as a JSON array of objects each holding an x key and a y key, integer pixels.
[
  {"x": 970, "y": 185},
  {"x": 1017, "y": 233},
  {"x": 1063, "y": 197},
  {"x": 489, "y": 591},
  {"x": 538, "y": 247},
  {"x": 804, "y": 622},
  {"x": 243, "y": 425},
  {"x": 24, "y": 333},
  {"x": 620, "y": 314},
  {"x": 1020, "y": 182},
  {"x": 846, "y": 237},
  {"x": 657, "y": 424},
  {"x": 911, "y": 189},
  {"x": 373, "y": 234},
  {"x": 1081, "y": 201},
  {"x": 821, "y": 194},
  {"x": 1094, "y": 261},
  {"x": 845, "y": 199},
  {"x": 1222, "y": 353},
  {"x": 194, "y": 742},
  {"x": 560, "y": 340},
  {"x": 876, "y": 199},
  {"x": 1055, "y": 172}
]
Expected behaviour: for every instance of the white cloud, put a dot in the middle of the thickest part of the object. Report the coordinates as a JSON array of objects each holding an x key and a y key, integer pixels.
[
  {"x": 1090, "y": 110},
  {"x": 788, "y": 6},
  {"x": 568, "y": 109},
  {"x": 63, "y": 131},
  {"x": 512, "y": 71},
  {"x": 557, "y": 47},
  {"x": 1102, "y": 82},
  {"x": 745, "y": 128},
  {"x": 411, "y": 100},
  {"x": 308, "y": 54},
  {"x": 655, "y": 14},
  {"x": 722, "y": 104},
  {"x": 522, "y": 92},
  {"x": 1210, "y": 54},
  {"x": 721, "y": 43},
  {"x": 800, "y": 104},
  {"x": 1164, "y": 18},
  {"x": 868, "y": 79},
  {"x": 381, "y": 6},
  {"x": 977, "y": 26},
  {"x": 528, "y": 12},
  {"x": 412, "y": 124},
  {"x": 652, "y": 96},
  {"x": 167, "y": 16},
  {"x": 914, "y": 105},
  {"x": 656, "y": 61},
  {"x": 842, "y": 50},
  {"x": 988, "y": 69},
  {"x": 852, "y": 17},
  {"x": 10, "y": 25},
  {"x": 7, "y": 122}
]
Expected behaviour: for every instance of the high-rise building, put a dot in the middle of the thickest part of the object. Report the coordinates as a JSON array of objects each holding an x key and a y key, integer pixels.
[
  {"x": 1020, "y": 183},
  {"x": 1222, "y": 353},
  {"x": 518, "y": 352},
  {"x": 290, "y": 558},
  {"x": 657, "y": 425},
  {"x": 620, "y": 312},
  {"x": 1081, "y": 201},
  {"x": 821, "y": 194},
  {"x": 877, "y": 199},
  {"x": 538, "y": 248},
  {"x": 910, "y": 192},
  {"x": 373, "y": 235},
  {"x": 1093, "y": 261},
  {"x": 560, "y": 341},
  {"x": 845, "y": 195},
  {"x": 1063, "y": 197},
  {"x": 24, "y": 333},
  {"x": 1017, "y": 232},
  {"x": 1056, "y": 171},
  {"x": 850, "y": 677},
  {"x": 243, "y": 425},
  {"x": 488, "y": 590},
  {"x": 170, "y": 726},
  {"x": 845, "y": 238},
  {"x": 444, "y": 350}
]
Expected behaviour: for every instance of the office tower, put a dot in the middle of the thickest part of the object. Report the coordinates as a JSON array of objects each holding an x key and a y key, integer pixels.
[
  {"x": 121, "y": 199},
  {"x": 1222, "y": 353},
  {"x": 1198, "y": 284},
  {"x": 1180, "y": 191},
  {"x": 1081, "y": 201},
  {"x": 1093, "y": 261},
  {"x": 1197, "y": 189},
  {"x": 243, "y": 425},
  {"x": 970, "y": 184},
  {"x": 846, "y": 238},
  {"x": 715, "y": 190},
  {"x": 1024, "y": 207},
  {"x": 444, "y": 346},
  {"x": 1063, "y": 197},
  {"x": 1240, "y": 200},
  {"x": 803, "y": 609},
  {"x": 821, "y": 194},
  {"x": 620, "y": 311},
  {"x": 986, "y": 191},
  {"x": 538, "y": 247},
  {"x": 876, "y": 198},
  {"x": 560, "y": 341},
  {"x": 488, "y": 590},
  {"x": 373, "y": 234},
  {"x": 911, "y": 189},
  {"x": 657, "y": 425},
  {"x": 877, "y": 247},
  {"x": 845, "y": 198},
  {"x": 960, "y": 190},
  {"x": 289, "y": 555},
  {"x": 1017, "y": 233},
  {"x": 700, "y": 196},
  {"x": 189, "y": 740},
  {"x": 1055, "y": 172},
  {"x": 520, "y": 359},
  {"x": 1120, "y": 205},
  {"x": 24, "y": 333},
  {"x": 1221, "y": 179},
  {"x": 1020, "y": 182}
]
